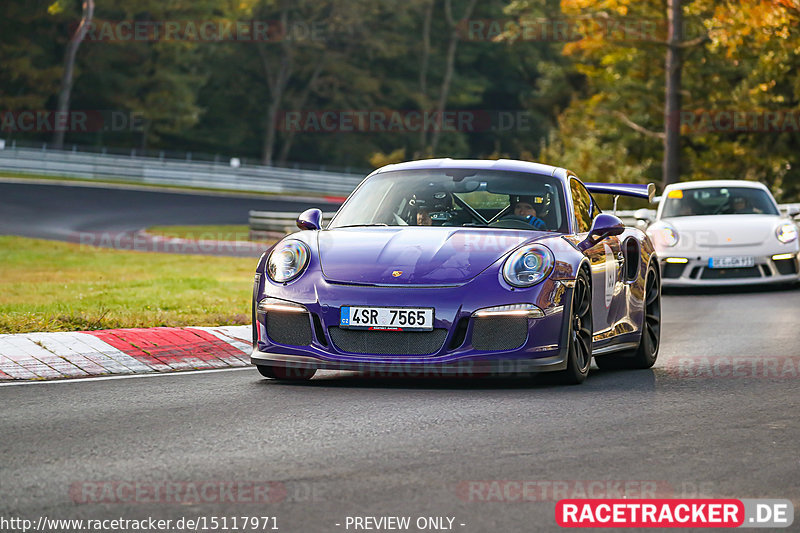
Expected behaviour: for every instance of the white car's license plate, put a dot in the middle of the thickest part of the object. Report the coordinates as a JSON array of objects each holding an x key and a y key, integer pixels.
[
  {"x": 387, "y": 318},
  {"x": 732, "y": 262}
]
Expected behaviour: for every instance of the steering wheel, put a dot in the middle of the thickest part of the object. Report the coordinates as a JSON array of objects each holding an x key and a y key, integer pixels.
[{"x": 518, "y": 222}]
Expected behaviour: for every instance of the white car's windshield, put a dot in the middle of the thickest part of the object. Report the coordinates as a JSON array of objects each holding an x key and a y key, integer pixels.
[
  {"x": 457, "y": 197},
  {"x": 718, "y": 201}
]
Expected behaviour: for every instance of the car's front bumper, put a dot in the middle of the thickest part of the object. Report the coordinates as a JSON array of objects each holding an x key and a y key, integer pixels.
[
  {"x": 312, "y": 339},
  {"x": 401, "y": 368},
  {"x": 687, "y": 270}
]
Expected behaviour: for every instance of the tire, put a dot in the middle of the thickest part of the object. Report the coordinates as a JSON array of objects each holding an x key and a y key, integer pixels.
[
  {"x": 579, "y": 352},
  {"x": 283, "y": 373},
  {"x": 645, "y": 355}
]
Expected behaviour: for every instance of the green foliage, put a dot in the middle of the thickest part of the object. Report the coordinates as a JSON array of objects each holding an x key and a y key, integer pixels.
[
  {"x": 215, "y": 96},
  {"x": 738, "y": 57},
  {"x": 31, "y": 49},
  {"x": 594, "y": 103}
]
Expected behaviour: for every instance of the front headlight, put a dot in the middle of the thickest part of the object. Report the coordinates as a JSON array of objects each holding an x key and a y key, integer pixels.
[
  {"x": 287, "y": 261},
  {"x": 786, "y": 232},
  {"x": 670, "y": 236},
  {"x": 528, "y": 265}
]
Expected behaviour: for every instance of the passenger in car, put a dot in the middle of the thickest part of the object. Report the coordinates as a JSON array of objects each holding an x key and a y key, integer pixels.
[{"x": 424, "y": 217}]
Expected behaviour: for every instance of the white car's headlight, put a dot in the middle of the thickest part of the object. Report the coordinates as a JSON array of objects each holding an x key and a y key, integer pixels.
[
  {"x": 287, "y": 261},
  {"x": 528, "y": 265},
  {"x": 786, "y": 232},
  {"x": 670, "y": 236}
]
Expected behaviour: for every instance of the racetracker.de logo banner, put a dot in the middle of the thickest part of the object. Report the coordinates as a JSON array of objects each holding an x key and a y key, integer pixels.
[{"x": 683, "y": 513}]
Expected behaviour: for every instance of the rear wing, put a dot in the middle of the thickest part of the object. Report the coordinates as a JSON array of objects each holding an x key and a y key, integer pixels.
[{"x": 623, "y": 189}]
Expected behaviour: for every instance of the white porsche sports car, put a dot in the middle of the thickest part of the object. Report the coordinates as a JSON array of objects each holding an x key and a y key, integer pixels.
[{"x": 724, "y": 233}]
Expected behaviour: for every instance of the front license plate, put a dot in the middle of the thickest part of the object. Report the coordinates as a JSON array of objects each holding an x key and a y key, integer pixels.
[
  {"x": 387, "y": 318},
  {"x": 732, "y": 262}
]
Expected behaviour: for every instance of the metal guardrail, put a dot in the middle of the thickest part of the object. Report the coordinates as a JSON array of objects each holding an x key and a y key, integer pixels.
[
  {"x": 200, "y": 174},
  {"x": 153, "y": 170},
  {"x": 270, "y": 224}
]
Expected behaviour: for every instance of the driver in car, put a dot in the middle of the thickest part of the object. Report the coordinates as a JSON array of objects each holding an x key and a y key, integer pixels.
[
  {"x": 429, "y": 203},
  {"x": 740, "y": 205},
  {"x": 523, "y": 208}
]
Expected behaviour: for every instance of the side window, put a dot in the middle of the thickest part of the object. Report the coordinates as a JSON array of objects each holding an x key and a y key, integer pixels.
[{"x": 584, "y": 208}]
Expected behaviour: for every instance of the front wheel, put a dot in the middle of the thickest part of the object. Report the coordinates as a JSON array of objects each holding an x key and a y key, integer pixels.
[
  {"x": 579, "y": 353},
  {"x": 646, "y": 353},
  {"x": 283, "y": 373}
]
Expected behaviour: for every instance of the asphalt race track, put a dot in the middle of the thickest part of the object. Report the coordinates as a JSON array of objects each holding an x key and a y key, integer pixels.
[
  {"x": 51, "y": 211},
  {"x": 716, "y": 417}
]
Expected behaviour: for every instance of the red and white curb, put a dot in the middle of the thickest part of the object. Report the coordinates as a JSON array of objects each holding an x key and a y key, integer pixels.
[{"x": 37, "y": 356}]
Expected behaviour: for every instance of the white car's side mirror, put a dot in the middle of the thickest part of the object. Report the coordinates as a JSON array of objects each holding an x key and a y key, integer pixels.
[
  {"x": 793, "y": 211},
  {"x": 646, "y": 215}
]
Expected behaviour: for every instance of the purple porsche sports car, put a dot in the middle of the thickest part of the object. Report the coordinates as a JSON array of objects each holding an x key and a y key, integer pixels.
[{"x": 461, "y": 267}]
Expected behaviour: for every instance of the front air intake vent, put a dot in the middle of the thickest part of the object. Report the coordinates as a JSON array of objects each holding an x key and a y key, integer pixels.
[
  {"x": 290, "y": 328},
  {"x": 366, "y": 342},
  {"x": 731, "y": 273},
  {"x": 497, "y": 334}
]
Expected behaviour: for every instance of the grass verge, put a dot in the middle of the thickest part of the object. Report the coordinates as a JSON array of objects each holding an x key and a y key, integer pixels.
[{"x": 55, "y": 286}]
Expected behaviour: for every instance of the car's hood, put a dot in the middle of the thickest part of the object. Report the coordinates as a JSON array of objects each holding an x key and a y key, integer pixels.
[
  {"x": 726, "y": 230},
  {"x": 414, "y": 255}
]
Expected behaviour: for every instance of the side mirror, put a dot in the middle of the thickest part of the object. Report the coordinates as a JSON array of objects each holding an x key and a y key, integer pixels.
[
  {"x": 604, "y": 226},
  {"x": 793, "y": 211},
  {"x": 310, "y": 219},
  {"x": 645, "y": 215}
]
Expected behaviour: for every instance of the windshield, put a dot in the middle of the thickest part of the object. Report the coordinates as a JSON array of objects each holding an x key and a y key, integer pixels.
[
  {"x": 457, "y": 197},
  {"x": 718, "y": 201}
]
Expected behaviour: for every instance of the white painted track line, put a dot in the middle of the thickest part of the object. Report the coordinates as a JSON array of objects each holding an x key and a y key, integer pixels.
[{"x": 125, "y": 376}]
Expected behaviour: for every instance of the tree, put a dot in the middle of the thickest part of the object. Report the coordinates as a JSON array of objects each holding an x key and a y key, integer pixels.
[
  {"x": 450, "y": 59},
  {"x": 731, "y": 57},
  {"x": 69, "y": 67},
  {"x": 672, "y": 106}
]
